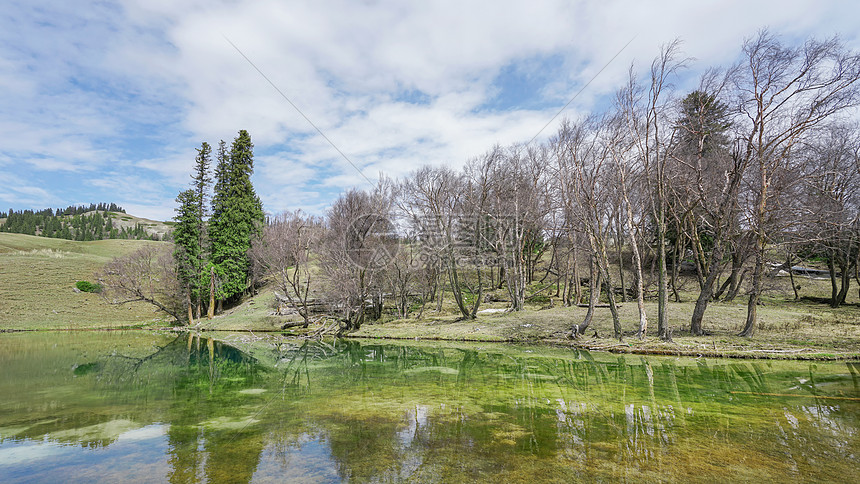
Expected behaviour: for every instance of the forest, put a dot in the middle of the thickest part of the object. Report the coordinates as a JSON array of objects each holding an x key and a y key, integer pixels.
[
  {"x": 76, "y": 222},
  {"x": 752, "y": 173}
]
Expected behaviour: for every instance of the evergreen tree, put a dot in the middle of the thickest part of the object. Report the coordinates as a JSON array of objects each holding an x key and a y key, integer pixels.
[
  {"x": 237, "y": 216},
  {"x": 704, "y": 121},
  {"x": 186, "y": 238},
  {"x": 202, "y": 180}
]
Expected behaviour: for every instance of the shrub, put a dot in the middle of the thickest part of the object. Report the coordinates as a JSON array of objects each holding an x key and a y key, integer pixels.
[{"x": 86, "y": 286}]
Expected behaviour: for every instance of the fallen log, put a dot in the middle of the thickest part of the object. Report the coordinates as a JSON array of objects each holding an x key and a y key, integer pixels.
[{"x": 292, "y": 324}]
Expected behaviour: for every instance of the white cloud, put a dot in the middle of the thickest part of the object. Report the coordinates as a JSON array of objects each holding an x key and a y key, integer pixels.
[
  {"x": 129, "y": 91},
  {"x": 14, "y": 190}
]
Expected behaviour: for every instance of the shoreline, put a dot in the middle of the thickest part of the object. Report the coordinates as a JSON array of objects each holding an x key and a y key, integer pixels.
[{"x": 604, "y": 344}]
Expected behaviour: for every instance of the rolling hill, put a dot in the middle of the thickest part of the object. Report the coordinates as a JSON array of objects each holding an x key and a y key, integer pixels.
[{"x": 37, "y": 283}]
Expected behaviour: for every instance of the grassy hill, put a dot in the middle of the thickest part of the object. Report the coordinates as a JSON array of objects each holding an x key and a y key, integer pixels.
[
  {"x": 37, "y": 281},
  {"x": 119, "y": 221},
  {"x": 128, "y": 221}
]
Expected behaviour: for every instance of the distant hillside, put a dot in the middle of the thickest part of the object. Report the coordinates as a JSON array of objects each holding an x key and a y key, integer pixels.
[
  {"x": 70, "y": 210},
  {"x": 37, "y": 284},
  {"x": 151, "y": 227},
  {"x": 83, "y": 226}
]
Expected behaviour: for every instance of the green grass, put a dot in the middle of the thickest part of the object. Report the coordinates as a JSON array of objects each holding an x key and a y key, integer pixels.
[
  {"x": 38, "y": 275},
  {"x": 37, "y": 282},
  {"x": 254, "y": 314},
  {"x": 786, "y": 328}
]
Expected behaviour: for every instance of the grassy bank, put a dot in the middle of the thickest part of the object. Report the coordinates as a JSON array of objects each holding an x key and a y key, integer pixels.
[
  {"x": 788, "y": 329},
  {"x": 799, "y": 330},
  {"x": 38, "y": 275},
  {"x": 37, "y": 285}
]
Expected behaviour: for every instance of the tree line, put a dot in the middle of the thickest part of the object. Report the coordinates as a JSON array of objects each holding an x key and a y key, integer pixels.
[
  {"x": 754, "y": 170},
  {"x": 71, "y": 210}
]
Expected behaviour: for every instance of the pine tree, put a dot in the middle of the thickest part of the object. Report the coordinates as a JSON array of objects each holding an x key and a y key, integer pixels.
[
  {"x": 186, "y": 238},
  {"x": 237, "y": 216},
  {"x": 703, "y": 122},
  {"x": 202, "y": 180}
]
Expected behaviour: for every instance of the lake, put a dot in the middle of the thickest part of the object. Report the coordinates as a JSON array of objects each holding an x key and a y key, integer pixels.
[{"x": 160, "y": 407}]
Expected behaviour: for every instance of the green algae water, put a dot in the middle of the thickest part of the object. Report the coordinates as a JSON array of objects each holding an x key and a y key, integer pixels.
[{"x": 148, "y": 407}]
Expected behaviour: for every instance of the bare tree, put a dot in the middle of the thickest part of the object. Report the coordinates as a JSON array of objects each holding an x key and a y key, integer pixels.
[
  {"x": 410, "y": 278},
  {"x": 709, "y": 176},
  {"x": 626, "y": 166},
  {"x": 784, "y": 95},
  {"x": 831, "y": 205},
  {"x": 510, "y": 189},
  {"x": 567, "y": 235},
  {"x": 359, "y": 243},
  {"x": 147, "y": 274},
  {"x": 284, "y": 252},
  {"x": 584, "y": 158},
  {"x": 435, "y": 201},
  {"x": 648, "y": 116}
]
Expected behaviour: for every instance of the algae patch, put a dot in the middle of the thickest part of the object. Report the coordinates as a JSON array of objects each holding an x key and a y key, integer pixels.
[
  {"x": 440, "y": 369},
  {"x": 252, "y": 391},
  {"x": 227, "y": 423}
]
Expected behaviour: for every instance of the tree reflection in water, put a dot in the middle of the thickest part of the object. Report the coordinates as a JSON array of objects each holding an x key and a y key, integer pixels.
[{"x": 280, "y": 409}]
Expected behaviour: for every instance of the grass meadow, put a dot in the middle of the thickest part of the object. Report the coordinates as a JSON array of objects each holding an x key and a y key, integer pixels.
[{"x": 37, "y": 285}]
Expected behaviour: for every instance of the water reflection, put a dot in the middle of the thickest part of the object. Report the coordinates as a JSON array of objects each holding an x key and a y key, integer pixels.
[{"x": 192, "y": 409}]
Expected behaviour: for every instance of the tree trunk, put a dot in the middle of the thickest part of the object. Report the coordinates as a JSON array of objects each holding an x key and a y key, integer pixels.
[
  {"x": 758, "y": 270},
  {"x": 662, "y": 290},
  {"x": 755, "y": 292},
  {"x": 736, "y": 287},
  {"x": 736, "y": 277},
  {"x": 594, "y": 293},
  {"x": 603, "y": 267},
  {"x": 474, "y": 311},
  {"x": 791, "y": 277},
  {"x": 613, "y": 309},
  {"x": 618, "y": 252},
  {"x": 834, "y": 288},
  {"x": 637, "y": 267},
  {"x": 190, "y": 312},
  {"x": 211, "y": 313},
  {"x": 857, "y": 272},
  {"x": 706, "y": 293},
  {"x": 846, "y": 281},
  {"x": 454, "y": 278},
  {"x": 577, "y": 287},
  {"x": 698, "y": 256},
  {"x": 677, "y": 254}
]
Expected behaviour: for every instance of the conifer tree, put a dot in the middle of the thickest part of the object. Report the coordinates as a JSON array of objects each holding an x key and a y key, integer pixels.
[
  {"x": 201, "y": 181},
  {"x": 237, "y": 216},
  {"x": 186, "y": 238}
]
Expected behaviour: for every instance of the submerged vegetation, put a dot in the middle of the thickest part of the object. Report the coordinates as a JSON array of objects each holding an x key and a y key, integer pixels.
[{"x": 186, "y": 407}]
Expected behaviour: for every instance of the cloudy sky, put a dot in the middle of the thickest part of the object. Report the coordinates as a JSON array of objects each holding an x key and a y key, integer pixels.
[{"x": 107, "y": 101}]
